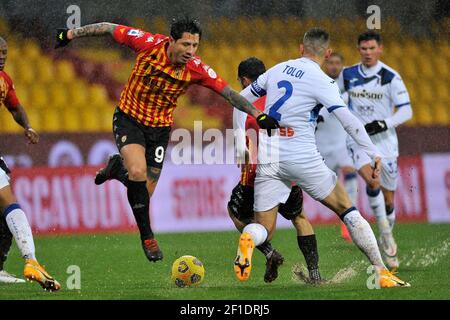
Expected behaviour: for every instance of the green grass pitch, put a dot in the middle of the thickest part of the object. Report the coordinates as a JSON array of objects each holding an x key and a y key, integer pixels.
[{"x": 113, "y": 266}]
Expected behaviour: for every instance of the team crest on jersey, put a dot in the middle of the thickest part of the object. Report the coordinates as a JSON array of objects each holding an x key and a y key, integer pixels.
[
  {"x": 212, "y": 74},
  {"x": 136, "y": 33}
]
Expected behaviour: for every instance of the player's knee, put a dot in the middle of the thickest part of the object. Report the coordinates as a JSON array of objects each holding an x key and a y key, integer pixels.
[
  {"x": 137, "y": 173},
  {"x": 373, "y": 185}
]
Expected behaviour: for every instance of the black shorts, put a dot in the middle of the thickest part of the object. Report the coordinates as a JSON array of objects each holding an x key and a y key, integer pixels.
[
  {"x": 242, "y": 199},
  {"x": 155, "y": 140},
  {"x": 241, "y": 203}
]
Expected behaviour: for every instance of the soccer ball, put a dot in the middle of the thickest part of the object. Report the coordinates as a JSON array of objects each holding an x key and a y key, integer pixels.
[{"x": 187, "y": 271}]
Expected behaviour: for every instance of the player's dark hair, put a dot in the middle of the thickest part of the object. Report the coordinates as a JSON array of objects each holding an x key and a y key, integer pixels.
[
  {"x": 251, "y": 68},
  {"x": 337, "y": 54},
  {"x": 316, "y": 41},
  {"x": 369, "y": 35},
  {"x": 185, "y": 24}
]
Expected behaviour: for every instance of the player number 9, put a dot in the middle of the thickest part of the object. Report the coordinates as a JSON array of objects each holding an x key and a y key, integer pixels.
[{"x": 159, "y": 154}]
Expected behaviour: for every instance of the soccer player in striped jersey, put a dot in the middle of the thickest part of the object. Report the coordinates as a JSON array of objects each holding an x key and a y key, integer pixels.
[
  {"x": 165, "y": 67},
  {"x": 13, "y": 221},
  {"x": 240, "y": 206},
  {"x": 379, "y": 99}
]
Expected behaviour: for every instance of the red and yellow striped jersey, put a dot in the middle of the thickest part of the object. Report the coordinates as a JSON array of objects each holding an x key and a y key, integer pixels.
[
  {"x": 155, "y": 83},
  {"x": 8, "y": 96},
  {"x": 248, "y": 171}
]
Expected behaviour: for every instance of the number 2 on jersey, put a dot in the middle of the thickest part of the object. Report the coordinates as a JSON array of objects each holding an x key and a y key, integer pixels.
[{"x": 273, "y": 112}]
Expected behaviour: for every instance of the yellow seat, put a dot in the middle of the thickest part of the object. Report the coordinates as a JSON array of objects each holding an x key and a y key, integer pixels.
[
  {"x": 89, "y": 119},
  {"x": 65, "y": 72},
  {"x": 31, "y": 50},
  {"x": 38, "y": 96},
  {"x": 105, "y": 118},
  {"x": 97, "y": 95},
  {"x": 51, "y": 120},
  {"x": 71, "y": 119},
  {"x": 78, "y": 93},
  {"x": 58, "y": 95},
  {"x": 441, "y": 67},
  {"x": 441, "y": 114},
  {"x": 442, "y": 92},
  {"x": 25, "y": 72},
  {"x": 424, "y": 116},
  {"x": 44, "y": 71}
]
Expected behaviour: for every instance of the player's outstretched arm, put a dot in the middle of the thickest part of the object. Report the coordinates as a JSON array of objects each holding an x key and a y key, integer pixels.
[
  {"x": 20, "y": 116},
  {"x": 241, "y": 103},
  {"x": 64, "y": 36}
]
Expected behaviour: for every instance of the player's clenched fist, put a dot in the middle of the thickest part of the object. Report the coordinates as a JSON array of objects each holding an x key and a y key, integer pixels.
[
  {"x": 32, "y": 136},
  {"x": 375, "y": 127},
  {"x": 62, "y": 38},
  {"x": 267, "y": 122}
]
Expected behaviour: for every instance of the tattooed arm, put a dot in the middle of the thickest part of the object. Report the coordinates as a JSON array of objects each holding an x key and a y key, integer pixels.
[
  {"x": 239, "y": 102},
  {"x": 97, "y": 29}
]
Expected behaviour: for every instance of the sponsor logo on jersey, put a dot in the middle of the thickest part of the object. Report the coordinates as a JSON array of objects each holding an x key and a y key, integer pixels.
[
  {"x": 364, "y": 94},
  {"x": 136, "y": 33},
  {"x": 150, "y": 39}
]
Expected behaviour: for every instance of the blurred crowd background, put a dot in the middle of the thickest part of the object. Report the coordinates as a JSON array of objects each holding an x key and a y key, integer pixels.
[
  {"x": 76, "y": 89},
  {"x": 70, "y": 95}
]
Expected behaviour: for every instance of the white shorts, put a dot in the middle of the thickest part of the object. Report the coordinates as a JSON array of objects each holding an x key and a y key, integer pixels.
[
  {"x": 4, "y": 179},
  {"x": 273, "y": 182},
  {"x": 337, "y": 159},
  {"x": 389, "y": 170}
]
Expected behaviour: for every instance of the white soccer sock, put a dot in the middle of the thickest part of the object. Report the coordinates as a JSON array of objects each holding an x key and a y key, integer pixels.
[
  {"x": 351, "y": 185},
  {"x": 257, "y": 231},
  {"x": 376, "y": 201},
  {"x": 391, "y": 218},
  {"x": 363, "y": 237},
  {"x": 20, "y": 229}
]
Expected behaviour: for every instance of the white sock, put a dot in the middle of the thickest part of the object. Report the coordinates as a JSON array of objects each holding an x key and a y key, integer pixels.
[
  {"x": 391, "y": 218},
  {"x": 257, "y": 231},
  {"x": 351, "y": 185},
  {"x": 20, "y": 229},
  {"x": 363, "y": 237},
  {"x": 376, "y": 201}
]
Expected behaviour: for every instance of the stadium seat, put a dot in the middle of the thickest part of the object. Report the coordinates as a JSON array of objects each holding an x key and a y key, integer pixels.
[
  {"x": 89, "y": 120},
  {"x": 65, "y": 71},
  {"x": 71, "y": 119},
  {"x": 38, "y": 96},
  {"x": 51, "y": 121}
]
